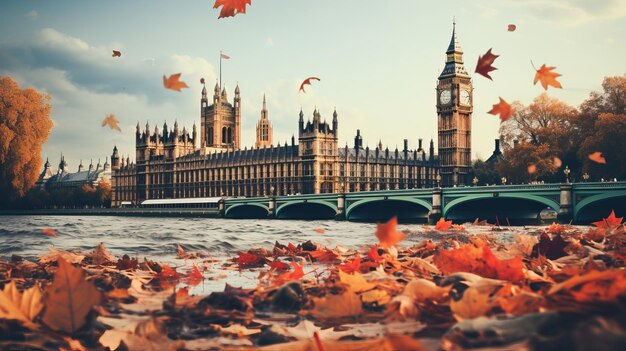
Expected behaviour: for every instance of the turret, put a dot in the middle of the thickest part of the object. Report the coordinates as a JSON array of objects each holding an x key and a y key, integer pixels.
[
  {"x": 194, "y": 134},
  {"x": 301, "y": 120},
  {"x": 90, "y": 169},
  {"x": 216, "y": 92},
  {"x": 137, "y": 133},
  {"x": 107, "y": 166},
  {"x": 431, "y": 151},
  {"x": 335, "y": 122},
  {"x": 224, "y": 96},
  {"x": 147, "y": 132},
  {"x": 62, "y": 164},
  {"x": 358, "y": 140},
  {"x": 237, "y": 100},
  {"x": 80, "y": 166},
  {"x": 175, "y": 128},
  {"x": 115, "y": 160}
]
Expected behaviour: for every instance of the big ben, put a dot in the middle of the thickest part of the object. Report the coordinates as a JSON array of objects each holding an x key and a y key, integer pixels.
[{"x": 454, "y": 115}]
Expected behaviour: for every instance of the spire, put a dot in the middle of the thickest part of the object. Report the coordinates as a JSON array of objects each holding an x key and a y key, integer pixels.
[
  {"x": 91, "y": 162},
  {"x": 454, "y": 42},
  {"x": 80, "y": 166},
  {"x": 237, "y": 89},
  {"x": 47, "y": 164},
  {"x": 264, "y": 104}
]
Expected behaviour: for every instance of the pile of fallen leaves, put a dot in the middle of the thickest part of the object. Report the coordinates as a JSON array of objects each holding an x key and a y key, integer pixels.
[{"x": 556, "y": 287}]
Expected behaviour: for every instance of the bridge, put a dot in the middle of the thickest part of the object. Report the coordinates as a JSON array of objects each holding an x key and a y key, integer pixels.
[{"x": 515, "y": 204}]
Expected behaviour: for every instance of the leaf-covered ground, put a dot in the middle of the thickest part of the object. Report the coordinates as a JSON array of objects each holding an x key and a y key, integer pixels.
[{"x": 555, "y": 288}]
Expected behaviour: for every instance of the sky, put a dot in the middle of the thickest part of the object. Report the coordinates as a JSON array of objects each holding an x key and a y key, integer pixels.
[{"x": 378, "y": 62}]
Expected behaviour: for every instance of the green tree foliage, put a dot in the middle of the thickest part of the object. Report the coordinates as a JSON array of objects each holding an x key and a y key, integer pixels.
[
  {"x": 485, "y": 172},
  {"x": 24, "y": 126},
  {"x": 86, "y": 196}
]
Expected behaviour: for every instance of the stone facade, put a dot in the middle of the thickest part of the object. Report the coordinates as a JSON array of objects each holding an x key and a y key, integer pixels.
[
  {"x": 174, "y": 164},
  {"x": 63, "y": 178}
]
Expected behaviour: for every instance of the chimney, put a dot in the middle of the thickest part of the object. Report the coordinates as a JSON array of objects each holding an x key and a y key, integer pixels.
[{"x": 406, "y": 145}]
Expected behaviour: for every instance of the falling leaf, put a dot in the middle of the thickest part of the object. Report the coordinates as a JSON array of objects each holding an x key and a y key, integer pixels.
[
  {"x": 116, "y": 53},
  {"x": 512, "y": 27},
  {"x": 532, "y": 169},
  {"x": 557, "y": 162},
  {"x": 307, "y": 81},
  {"x": 329, "y": 307},
  {"x": 442, "y": 224},
  {"x": 173, "y": 82},
  {"x": 597, "y": 157},
  {"x": 387, "y": 233},
  {"x": 352, "y": 266},
  {"x": 69, "y": 298},
  {"x": 547, "y": 77},
  {"x": 609, "y": 222},
  {"x": 484, "y": 64},
  {"x": 49, "y": 232},
  {"x": 231, "y": 7},
  {"x": 194, "y": 277},
  {"x": 319, "y": 230},
  {"x": 503, "y": 109},
  {"x": 112, "y": 122},
  {"x": 23, "y": 307}
]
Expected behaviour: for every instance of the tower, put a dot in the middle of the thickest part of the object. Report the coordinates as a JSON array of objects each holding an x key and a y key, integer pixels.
[
  {"x": 317, "y": 147},
  {"x": 220, "y": 123},
  {"x": 263, "y": 129},
  {"x": 454, "y": 115}
]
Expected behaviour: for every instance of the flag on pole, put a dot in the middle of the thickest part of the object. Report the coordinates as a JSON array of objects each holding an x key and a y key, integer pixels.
[{"x": 224, "y": 56}]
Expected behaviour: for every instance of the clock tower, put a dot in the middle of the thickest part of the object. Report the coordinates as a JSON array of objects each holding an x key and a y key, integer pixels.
[{"x": 454, "y": 117}]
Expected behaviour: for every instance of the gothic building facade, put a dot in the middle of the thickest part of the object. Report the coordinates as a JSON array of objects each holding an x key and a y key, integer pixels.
[{"x": 173, "y": 164}]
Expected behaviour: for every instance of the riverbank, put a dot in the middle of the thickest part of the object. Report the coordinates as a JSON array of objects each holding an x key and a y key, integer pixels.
[{"x": 127, "y": 212}]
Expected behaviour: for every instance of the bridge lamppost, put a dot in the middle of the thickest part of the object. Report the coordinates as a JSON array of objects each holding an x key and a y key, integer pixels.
[
  {"x": 503, "y": 180},
  {"x": 475, "y": 181},
  {"x": 438, "y": 180},
  {"x": 586, "y": 177},
  {"x": 567, "y": 171},
  {"x": 272, "y": 190}
]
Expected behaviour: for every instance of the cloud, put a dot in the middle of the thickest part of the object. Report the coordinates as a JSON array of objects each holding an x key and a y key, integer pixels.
[
  {"x": 32, "y": 15},
  {"x": 573, "y": 12},
  {"x": 86, "y": 84}
]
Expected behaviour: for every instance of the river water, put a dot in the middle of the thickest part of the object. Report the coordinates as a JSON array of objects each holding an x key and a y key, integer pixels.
[{"x": 157, "y": 238}]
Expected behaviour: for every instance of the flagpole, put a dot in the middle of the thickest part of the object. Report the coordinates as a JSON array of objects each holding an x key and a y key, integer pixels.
[{"x": 220, "y": 69}]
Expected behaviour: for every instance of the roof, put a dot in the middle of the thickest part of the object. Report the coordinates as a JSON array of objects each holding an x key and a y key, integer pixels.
[{"x": 195, "y": 200}]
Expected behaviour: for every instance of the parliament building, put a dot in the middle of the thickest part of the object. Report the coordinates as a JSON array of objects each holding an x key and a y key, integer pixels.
[{"x": 174, "y": 164}]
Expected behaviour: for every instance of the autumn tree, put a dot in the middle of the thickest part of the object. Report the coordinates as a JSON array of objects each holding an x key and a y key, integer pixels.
[
  {"x": 24, "y": 126},
  {"x": 534, "y": 135},
  {"x": 602, "y": 127}
]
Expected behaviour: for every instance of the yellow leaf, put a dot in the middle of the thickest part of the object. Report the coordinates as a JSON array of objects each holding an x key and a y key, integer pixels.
[
  {"x": 329, "y": 307},
  {"x": 355, "y": 281}
]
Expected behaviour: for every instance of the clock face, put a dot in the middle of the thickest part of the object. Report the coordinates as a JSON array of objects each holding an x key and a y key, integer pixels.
[
  {"x": 465, "y": 97},
  {"x": 445, "y": 97}
]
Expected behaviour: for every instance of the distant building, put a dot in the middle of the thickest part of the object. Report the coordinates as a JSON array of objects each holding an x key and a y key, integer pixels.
[
  {"x": 172, "y": 164},
  {"x": 496, "y": 155},
  {"x": 48, "y": 179}
]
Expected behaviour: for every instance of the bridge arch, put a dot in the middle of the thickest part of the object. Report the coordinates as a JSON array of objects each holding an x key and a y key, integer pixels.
[
  {"x": 251, "y": 210},
  {"x": 306, "y": 209},
  {"x": 382, "y": 208},
  {"x": 517, "y": 208},
  {"x": 602, "y": 205}
]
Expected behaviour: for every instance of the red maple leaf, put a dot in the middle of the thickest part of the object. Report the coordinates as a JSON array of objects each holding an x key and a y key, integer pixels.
[
  {"x": 547, "y": 77},
  {"x": 231, "y": 7},
  {"x": 194, "y": 277},
  {"x": 249, "y": 260},
  {"x": 503, "y": 108},
  {"x": 484, "y": 64},
  {"x": 609, "y": 222},
  {"x": 296, "y": 274},
  {"x": 352, "y": 266},
  {"x": 551, "y": 248},
  {"x": 167, "y": 272},
  {"x": 442, "y": 224},
  {"x": 387, "y": 233},
  {"x": 324, "y": 255},
  {"x": 277, "y": 265},
  {"x": 307, "y": 81}
]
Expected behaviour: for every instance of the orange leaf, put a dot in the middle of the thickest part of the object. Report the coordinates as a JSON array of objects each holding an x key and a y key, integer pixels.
[
  {"x": 167, "y": 272},
  {"x": 69, "y": 298},
  {"x": 116, "y": 53},
  {"x": 324, "y": 255},
  {"x": 352, "y": 266},
  {"x": 512, "y": 27},
  {"x": 484, "y": 64},
  {"x": 307, "y": 81},
  {"x": 597, "y": 157},
  {"x": 387, "y": 233},
  {"x": 296, "y": 274},
  {"x": 278, "y": 265},
  {"x": 231, "y": 7},
  {"x": 319, "y": 230},
  {"x": 503, "y": 109},
  {"x": 557, "y": 162},
  {"x": 331, "y": 307},
  {"x": 173, "y": 82},
  {"x": 547, "y": 77},
  {"x": 479, "y": 260},
  {"x": 442, "y": 224},
  {"x": 373, "y": 255},
  {"x": 20, "y": 306},
  {"x": 112, "y": 122},
  {"x": 194, "y": 277},
  {"x": 609, "y": 222},
  {"x": 532, "y": 169},
  {"x": 48, "y": 231}
]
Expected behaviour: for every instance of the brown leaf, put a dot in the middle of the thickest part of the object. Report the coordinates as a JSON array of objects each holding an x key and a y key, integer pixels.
[
  {"x": 55, "y": 254},
  {"x": 173, "y": 82},
  {"x": 112, "y": 122},
  {"x": 512, "y": 28},
  {"x": 20, "y": 306},
  {"x": 69, "y": 298},
  {"x": 116, "y": 53},
  {"x": 307, "y": 82},
  {"x": 101, "y": 256}
]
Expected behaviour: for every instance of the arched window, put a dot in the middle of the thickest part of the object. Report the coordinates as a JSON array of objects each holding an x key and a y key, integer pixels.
[
  {"x": 224, "y": 140},
  {"x": 210, "y": 132},
  {"x": 230, "y": 135}
]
